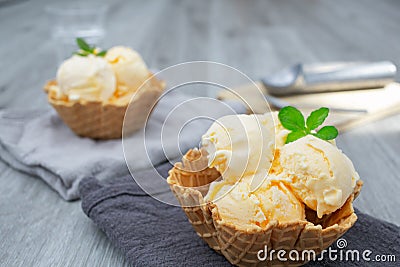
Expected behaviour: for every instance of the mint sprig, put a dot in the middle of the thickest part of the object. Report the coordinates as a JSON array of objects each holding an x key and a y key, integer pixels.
[
  {"x": 292, "y": 119},
  {"x": 85, "y": 49}
]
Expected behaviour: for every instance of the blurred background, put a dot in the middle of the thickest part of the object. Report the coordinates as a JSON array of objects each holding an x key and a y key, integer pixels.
[{"x": 256, "y": 37}]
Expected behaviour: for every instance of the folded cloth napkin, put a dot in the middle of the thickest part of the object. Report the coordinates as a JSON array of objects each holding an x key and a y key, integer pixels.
[
  {"x": 151, "y": 233},
  {"x": 40, "y": 144}
]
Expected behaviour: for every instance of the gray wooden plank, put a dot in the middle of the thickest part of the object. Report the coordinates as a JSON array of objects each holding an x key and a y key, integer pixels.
[{"x": 374, "y": 150}]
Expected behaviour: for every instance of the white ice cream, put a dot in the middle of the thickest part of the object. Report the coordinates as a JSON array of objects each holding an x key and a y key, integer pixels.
[
  {"x": 129, "y": 67},
  {"x": 318, "y": 173},
  {"x": 88, "y": 78},
  {"x": 240, "y": 145},
  {"x": 308, "y": 171},
  {"x": 246, "y": 209}
]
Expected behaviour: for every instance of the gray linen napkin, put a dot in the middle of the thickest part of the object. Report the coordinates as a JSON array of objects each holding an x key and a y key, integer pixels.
[
  {"x": 40, "y": 144},
  {"x": 151, "y": 233}
]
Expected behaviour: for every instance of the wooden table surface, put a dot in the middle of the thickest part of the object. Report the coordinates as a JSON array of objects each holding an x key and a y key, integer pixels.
[{"x": 38, "y": 228}]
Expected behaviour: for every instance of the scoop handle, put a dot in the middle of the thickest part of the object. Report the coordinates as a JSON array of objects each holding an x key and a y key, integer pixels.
[{"x": 347, "y": 77}]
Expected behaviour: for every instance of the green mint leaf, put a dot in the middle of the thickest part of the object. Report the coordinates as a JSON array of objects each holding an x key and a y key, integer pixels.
[
  {"x": 102, "y": 53},
  {"x": 316, "y": 118},
  {"x": 82, "y": 54},
  {"x": 292, "y": 119},
  {"x": 293, "y": 136},
  {"x": 327, "y": 133},
  {"x": 83, "y": 45}
]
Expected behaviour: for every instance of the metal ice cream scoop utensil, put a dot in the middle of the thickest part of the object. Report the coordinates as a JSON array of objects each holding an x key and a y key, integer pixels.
[{"x": 335, "y": 76}]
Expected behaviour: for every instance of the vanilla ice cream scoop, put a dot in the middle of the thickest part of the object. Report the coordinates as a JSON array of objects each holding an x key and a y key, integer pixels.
[
  {"x": 129, "y": 67},
  {"x": 88, "y": 78},
  {"x": 238, "y": 205},
  {"x": 318, "y": 173},
  {"x": 279, "y": 203},
  {"x": 243, "y": 145},
  {"x": 240, "y": 145}
]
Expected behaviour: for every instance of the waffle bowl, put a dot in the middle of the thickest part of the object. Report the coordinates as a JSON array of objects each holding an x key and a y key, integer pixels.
[
  {"x": 99, "y": 120},
  {"x": 189, "y": 181}
]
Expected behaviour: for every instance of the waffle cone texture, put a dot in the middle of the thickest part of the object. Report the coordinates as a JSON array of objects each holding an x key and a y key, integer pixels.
[
  {"x": 189, "y": 181},
  {"x": 98, "y": 120}
]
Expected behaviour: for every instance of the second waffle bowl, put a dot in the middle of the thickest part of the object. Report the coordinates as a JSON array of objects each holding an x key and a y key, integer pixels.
[{"x": 99, "y": 120}]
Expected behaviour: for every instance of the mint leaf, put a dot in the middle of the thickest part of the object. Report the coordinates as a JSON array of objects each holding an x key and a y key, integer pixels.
[
  {"x": 82, "y": 54},
  {"x": 292, "y": 119},
  {"x": 293, "y": 136},
  {"x": 327, "y": 133},
  {"x": 83, "y": 45},
  {"x": 86, "y": 49},
  {"x": 316, "y": 118},
  {"x": 102, "y": 53}
]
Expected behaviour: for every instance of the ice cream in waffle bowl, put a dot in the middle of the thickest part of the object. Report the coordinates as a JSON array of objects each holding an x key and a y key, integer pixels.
[
  {"x": 253, "y": 185},
  {"x": 95, "y": 89}
]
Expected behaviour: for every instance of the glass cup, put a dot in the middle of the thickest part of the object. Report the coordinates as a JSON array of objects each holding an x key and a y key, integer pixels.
[{"x": 72, "y": 20}]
